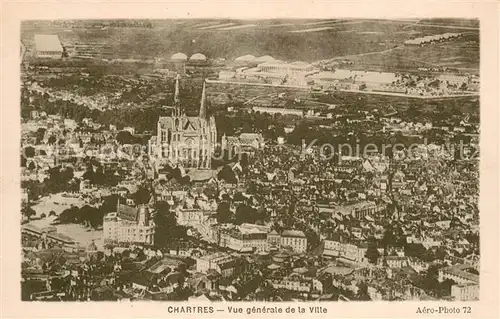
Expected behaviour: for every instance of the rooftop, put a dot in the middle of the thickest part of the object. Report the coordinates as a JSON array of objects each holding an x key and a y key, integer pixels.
[
  {"x": 179, "y": 56},
  {"x": 47, "y": 42},
  {"x": 245, "y": 58},
  {"x": 198, "y": 57},
  {"x": 127, "y": 212},
  {"x": 293, "y": 233}
]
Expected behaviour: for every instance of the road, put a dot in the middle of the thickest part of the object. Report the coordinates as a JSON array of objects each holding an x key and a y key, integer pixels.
[
  {"x": 445, "y": 26},
  {"x": 360, "y": 54},
  {"x": 257, "y": 84},
  {"x": 432, "y": 97}
]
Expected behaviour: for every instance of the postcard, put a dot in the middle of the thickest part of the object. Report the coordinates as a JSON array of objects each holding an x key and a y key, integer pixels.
[{"x": 233, "y": 159}]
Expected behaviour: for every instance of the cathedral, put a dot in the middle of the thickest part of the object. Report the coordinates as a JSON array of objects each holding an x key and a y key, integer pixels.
[{"x": 187, "y": 141}]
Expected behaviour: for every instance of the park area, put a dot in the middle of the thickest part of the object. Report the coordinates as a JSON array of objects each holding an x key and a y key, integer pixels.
[
  {"x": 56, "y": 203},
  {"x": 79, "y": 233}
]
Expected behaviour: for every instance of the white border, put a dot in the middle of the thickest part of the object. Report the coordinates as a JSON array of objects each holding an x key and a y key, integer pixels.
[{"x": 13, "y": 13}]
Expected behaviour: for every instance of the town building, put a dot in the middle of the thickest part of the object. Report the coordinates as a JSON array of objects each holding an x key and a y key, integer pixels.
[
  {"x": 353, "y": 80},
  {"x": 223, "y": 263},
  {"x": 177, "y": 63},
  {"x": 246, "y": 142},
  {"x": 48, "y": 235},
  {"x": 278, "y": 110},
  {"x": 198, "y": 58},
  {"x": 191, "y": 216},
  {"x": 294, "y": 239},
  {"x": 244, "y": 239},
  {"x": 245, "y": 60},
  {"x": 396, "y": 261},
  {"x": 273, "y": 239},
  {"x": 48, "y": 46},
  {"x": 458, "y": 275},
  {"x": 293, "y": 284},
  {"x": 275, "y": 71},
  {"x": 188, "y": 141},
  {"x": 465, "y": 292},
  {"x": 129, "y": 225},
  {"x": 338, "y": 248},
  {"x": 359, "y": 210}
]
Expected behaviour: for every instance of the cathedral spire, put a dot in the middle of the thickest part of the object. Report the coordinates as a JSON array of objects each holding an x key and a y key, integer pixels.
[
  {"x": 176, "y": 97},
  {"x": 203, "y": 112}
]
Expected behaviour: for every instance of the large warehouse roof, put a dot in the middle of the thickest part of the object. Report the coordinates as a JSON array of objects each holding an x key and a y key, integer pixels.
[
  {"x": 179, "y": 56},
  {"x": 47, "y": 42},
  {"x": 245, "y": 58},
  {"x": 265, "y": 58},
  {"x": 198, "y": 57}
]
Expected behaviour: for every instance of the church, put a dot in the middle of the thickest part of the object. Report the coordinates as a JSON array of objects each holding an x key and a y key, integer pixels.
[{"x": 187, "y": 141}]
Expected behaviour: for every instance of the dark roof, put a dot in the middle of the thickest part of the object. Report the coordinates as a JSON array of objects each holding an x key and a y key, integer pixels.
[
  {"x": 144, "y": 278},
  {"x": 174, "y": 277},
  {"x": 293, "y": 233},
  {"x": 127, "y": 212},
  {"x": 396, "y": 258},
  {"x": 231, "y": 264}
]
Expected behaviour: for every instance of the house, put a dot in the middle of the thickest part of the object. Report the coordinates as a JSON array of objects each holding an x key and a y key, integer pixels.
[
  {"x": 203, "y": 282},
  {"x": 396, "y": 261},
  {"x": 143, "y": 281},
  {"x": 48, "y": 46},
  {"x": 465, "y": 292},
  {"x": 242, "y": 239},
  {"x": 211, "y": 261},
  {"x": 458, "y": 275},
  {"x": 294, "y": 283},
  {"x": 231, "y": 267},
  {"x": 294, "y": 239}
]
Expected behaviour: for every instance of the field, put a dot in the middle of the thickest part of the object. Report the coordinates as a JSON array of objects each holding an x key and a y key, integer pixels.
[
  {"x": 290, "y": 40},
  {"x": 466, "y": 105},
  {"x": 221, "y": 93},
  {"x": 56, "y": 203},
  {"x": 461, "y": 54}
]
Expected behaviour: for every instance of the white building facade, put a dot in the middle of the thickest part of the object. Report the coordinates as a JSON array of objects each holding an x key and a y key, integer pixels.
[{"x": 129, "y": 225}]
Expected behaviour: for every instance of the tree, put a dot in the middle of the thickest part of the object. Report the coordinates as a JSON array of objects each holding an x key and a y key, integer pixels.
[
  {"x": 28, "y": 211},
  {"x": 91, "y": 216},
  {"x": 245, "y": 214},
  {"x": 52, "y": 140},
  {"x": 415, "y": 250},
  {"x": 430, "y": 281},
  {"x": 125, "y": 137},
  {"x": 227, "y": 174},
  {"x": 40, "y": 133},
  {"x": 29, "y": 151},
  {"x": 372, "y": 253},
  {"x": 142, "y": 195},
  {"x": 445, "y": 287},
  {"x": 32, "y": 165},
  {"x": 363, "y": 292},
  {"x": 23, "y": 161},
  {"x": 167, "y": 229},
  {"x": 223, "y": 212}
]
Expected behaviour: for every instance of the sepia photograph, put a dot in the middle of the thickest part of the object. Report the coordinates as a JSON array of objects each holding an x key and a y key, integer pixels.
[{"x": 250, "y": 160}]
